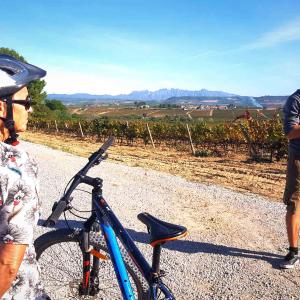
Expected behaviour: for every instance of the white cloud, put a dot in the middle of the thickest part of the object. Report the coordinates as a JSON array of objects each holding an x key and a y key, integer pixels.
[
  {"x": 205, "y": 55},
  {"x": 68, "y": 82},
  {"x": 286, "y": 33},
  {"x": 60, "y": 81}
]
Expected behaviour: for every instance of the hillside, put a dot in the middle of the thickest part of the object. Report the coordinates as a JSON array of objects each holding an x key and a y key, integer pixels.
[
  {"x": 238, "y": 101},
  {"x": 173, "y": 96},
  {"x": 144, "y": 95},
  {"x": 271, "y": 101}
]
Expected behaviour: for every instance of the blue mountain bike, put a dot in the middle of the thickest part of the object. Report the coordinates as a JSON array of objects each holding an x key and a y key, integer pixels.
[{"x": 99, "y": 260}]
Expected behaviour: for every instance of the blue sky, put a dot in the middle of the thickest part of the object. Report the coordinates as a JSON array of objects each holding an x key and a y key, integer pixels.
[{"x": 98, "y": 47}]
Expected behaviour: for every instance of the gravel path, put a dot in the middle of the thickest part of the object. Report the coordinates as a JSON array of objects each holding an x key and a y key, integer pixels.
[{"x": 235, "y": 240}]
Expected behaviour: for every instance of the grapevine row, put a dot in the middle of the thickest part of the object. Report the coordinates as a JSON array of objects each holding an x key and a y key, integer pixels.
[{"x": 264, "y": 136}]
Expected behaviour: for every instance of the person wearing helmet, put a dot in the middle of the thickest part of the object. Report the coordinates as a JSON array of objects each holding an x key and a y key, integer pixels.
[{"x": 19, "y": 201}]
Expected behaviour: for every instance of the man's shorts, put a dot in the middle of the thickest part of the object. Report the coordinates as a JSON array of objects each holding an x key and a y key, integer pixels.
[{"x": 291, "y": 195}]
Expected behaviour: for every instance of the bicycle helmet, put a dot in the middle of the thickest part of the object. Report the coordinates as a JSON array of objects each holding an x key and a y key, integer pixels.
[{"x": 14, "y": 75}]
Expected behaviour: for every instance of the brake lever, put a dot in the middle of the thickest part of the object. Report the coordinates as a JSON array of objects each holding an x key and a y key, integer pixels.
[{"x": 67, "y": 207}]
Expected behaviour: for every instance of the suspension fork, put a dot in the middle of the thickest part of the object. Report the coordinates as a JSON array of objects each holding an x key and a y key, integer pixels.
[
  {"x": 90, "y": 281},
  {"x": 86, "y": 273},
  {"x": 94, "y": 226}
]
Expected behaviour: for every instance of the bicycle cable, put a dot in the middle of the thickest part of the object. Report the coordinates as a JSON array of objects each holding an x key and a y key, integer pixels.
[
  {"x": 68, "y": 185},
  {"x": 83, "y": 218},
  {"x": 71, "y": 229},
  {"x": 82, "y": 211},
  {"x": 65, "y": 217}
]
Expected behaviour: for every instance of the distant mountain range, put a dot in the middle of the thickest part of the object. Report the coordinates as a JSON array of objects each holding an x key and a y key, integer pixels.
[
  {"x": 144, "y": 95},
  {"x": 175, "y": 96}
]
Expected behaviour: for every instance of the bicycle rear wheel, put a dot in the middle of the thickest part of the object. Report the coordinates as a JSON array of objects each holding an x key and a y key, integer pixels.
[{"x": 60, "y": 258}]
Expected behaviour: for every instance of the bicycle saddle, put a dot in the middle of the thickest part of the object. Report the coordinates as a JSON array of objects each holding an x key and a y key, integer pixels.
[{"x": 160, "y": 231}]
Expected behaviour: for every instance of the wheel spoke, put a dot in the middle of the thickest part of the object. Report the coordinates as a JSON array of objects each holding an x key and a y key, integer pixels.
[
  {"x": 62, "y": 272},
  {"x": 63, "y": 269},
  {"x": 74, "y": 260}
]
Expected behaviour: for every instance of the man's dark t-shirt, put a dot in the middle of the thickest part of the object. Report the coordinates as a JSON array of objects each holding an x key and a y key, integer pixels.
[{"x": 291, "y": 118}]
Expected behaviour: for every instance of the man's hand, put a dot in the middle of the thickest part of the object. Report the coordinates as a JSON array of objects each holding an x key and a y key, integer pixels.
[
  {"x": 11, "y": 257},
  {"x": 294, "y": 133}
]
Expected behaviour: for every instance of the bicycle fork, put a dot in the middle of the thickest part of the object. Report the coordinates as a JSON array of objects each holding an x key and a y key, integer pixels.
[
  {"x": 84, "y": 290},
  {"x": 90, "y": 279}
]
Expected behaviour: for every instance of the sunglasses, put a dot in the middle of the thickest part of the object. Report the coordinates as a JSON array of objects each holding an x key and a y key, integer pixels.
[{"x": 27, "y": 103}]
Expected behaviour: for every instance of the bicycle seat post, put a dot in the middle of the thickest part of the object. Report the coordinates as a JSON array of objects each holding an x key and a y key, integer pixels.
[{"x": 156, "y": 261}]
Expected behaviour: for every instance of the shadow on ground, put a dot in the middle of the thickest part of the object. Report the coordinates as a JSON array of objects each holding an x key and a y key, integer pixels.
[{"x": 189, "y": 246}]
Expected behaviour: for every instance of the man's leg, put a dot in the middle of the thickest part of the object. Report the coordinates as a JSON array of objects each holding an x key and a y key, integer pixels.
[
  {"x": 292, "y": 227},
  {"x": 291, "y": 198}
]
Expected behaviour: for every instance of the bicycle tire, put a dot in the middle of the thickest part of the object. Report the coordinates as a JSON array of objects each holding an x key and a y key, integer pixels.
[{"x": 61, "y": 276}]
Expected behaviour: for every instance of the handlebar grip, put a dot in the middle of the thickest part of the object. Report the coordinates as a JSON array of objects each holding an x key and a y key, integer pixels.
[
  {"x": 60, "y": 207},
  {"x": 107, "y": 144}
]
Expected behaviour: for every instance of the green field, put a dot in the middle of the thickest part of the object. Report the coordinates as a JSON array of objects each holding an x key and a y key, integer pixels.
[{"x": 211, "y": 116}]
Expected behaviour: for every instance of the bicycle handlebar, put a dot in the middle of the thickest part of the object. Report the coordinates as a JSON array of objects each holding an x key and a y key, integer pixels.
[
  {"x": 106, "y": 144},
  {"x": 62, "y": 204},
  {"x": 59, "y": 208}
]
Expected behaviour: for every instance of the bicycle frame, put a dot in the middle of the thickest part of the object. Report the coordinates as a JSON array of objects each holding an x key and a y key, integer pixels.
[
  {"x": 111, "y": 227},
  {"x": 117, "y": 259},
  {"x": 110, "y": 224}
]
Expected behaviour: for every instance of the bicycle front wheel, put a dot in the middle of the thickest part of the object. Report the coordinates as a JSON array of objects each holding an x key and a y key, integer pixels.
[{"x": 60, "y": 258}]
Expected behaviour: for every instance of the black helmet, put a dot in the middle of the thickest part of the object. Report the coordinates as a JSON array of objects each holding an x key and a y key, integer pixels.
[{"x": 16, "y": 74}]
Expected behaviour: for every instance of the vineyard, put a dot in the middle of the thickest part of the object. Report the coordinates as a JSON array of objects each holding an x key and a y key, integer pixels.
[{"x": 261, "y": 139}]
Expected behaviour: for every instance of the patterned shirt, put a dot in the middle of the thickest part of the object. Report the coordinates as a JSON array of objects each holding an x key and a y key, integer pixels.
[{"x": 19, "y": 213}]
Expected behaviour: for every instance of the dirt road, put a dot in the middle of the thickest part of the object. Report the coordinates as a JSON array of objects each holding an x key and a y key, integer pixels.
[{"x": 235, "y": 242}]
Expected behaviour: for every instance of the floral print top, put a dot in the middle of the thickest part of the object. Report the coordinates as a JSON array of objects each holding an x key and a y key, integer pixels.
[{"x": 19, "y": 213}]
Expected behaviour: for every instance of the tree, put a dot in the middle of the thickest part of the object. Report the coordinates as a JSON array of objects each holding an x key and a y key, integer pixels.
[
  {"x": 139, "y": 103},
  {"x": 55, "y": 105},
  {"x": 13, "y": 53},
  {"x": 35, "y": 88}
]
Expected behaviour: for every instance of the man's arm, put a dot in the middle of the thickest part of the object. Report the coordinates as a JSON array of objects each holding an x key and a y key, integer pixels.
[
  {"x": 11, "y": 256},
  {"x": 292, "y": 116},
  {"x": 294, "y": 133}
]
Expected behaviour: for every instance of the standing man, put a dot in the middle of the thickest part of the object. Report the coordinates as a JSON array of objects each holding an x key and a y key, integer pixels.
[
  {"x": 19, "y": 201},
  {"x": 291, "y": 195}
]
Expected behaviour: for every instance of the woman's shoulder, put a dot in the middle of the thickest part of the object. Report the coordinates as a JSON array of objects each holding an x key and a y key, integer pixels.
[{"x": 18, "y": 160}]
